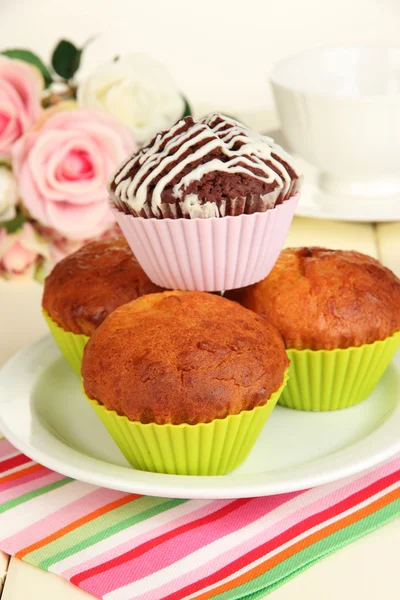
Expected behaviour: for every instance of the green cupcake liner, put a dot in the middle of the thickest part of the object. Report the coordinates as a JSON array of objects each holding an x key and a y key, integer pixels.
[
  {"x": 323, "y": 380},
  {"x": 204, "y": 449},
  {"x": 70, "y": 344}
]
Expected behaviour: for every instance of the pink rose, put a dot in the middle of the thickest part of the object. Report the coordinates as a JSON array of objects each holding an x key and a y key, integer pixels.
[
  {"x": 63, "y": 167},
  {"x": 8, "y": 194},
  {"x": 20, "y": 90},
  {"x": 20, "y": 252}
]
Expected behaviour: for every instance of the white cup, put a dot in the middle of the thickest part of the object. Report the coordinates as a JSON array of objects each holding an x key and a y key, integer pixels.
[{"x": 340, "y": 109}]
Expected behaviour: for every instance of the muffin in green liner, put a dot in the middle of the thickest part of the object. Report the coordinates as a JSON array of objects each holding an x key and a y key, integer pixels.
[
  {"x": 322, "y": 380},
  {"x": 70, "y": 344},
  {"x": 203, "y": 449},
  {"x": 184, "y": 381},
  {"x": 338, "y": 312},
  {"x": 85, "y": 287}
]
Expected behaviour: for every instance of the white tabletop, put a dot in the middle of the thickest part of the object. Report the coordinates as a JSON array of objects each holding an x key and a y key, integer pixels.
[{"x": 366, "y": 569}]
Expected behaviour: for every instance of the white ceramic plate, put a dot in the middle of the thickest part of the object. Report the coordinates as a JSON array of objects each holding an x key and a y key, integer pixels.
[
  {"x": 316, "y": 203},
  {"x": 44, "y": 414}
]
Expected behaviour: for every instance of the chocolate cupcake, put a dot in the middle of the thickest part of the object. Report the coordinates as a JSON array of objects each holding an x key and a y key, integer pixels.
[
  {"x": 184, "y": 381},
  {"x": 207, "y": 173},
  {"x": 85, "y": 287},
  {"x": 212, "y": 168},
  {"x": 339, "y": 315}
]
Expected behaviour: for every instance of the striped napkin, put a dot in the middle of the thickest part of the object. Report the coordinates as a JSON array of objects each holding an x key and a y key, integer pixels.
[{"x": 121, "y": 546}]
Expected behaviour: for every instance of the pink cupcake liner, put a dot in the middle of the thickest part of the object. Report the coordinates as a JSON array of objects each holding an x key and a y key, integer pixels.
[{"x": 209, "y": 254}]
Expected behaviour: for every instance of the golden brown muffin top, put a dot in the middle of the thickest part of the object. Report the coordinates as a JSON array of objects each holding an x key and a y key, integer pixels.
[
  {"x": 86, "y": 286},
  {"x": 325, "y": 299},
  {"x": 183, "y": 357}
]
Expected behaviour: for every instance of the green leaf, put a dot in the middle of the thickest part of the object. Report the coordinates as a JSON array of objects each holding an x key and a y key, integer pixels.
[
  {"x": 187, "y": 111},
  {"x": 66, "y": 59},
  {"x": 15, "y": 224},
  {"x": 29, "y": 57}
]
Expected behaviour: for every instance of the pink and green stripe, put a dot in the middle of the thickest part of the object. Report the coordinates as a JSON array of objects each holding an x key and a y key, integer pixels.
[{"x": 124, "y": 547}]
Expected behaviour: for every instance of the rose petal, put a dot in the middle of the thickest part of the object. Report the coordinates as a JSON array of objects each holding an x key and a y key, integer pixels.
[
  {"x": 79, "y": 221},
  {"x": 29, "y": 192},
  {"x": 20, "y": 251},
  {"x": 8, "y": 194},
  {"x": 27, "y": 81},
  {"x": 46, "y": 157},
  {"x": 20, "y": 89},
  {"x": 17, "y": 259}
]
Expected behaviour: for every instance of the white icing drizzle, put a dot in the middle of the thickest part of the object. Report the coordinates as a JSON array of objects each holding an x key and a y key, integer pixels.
[
  {"x": 214, "y": 132},
  {"x": 192, "y": 207}
]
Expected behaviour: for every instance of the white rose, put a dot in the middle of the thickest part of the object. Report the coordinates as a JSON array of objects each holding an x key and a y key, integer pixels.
[
  {"x": 8, "y": 194},
  {"x": 138, "y": 91}
]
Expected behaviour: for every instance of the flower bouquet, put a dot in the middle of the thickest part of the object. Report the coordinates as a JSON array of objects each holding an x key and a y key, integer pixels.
[{"x": 60, "y": 139}]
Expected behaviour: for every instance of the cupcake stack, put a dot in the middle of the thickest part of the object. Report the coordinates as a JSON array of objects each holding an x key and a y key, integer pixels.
[{"x": 184, "y": 380}]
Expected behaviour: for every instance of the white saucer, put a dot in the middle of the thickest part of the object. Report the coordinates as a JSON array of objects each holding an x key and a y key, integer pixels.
[
  {"x": 316, "y": 203},
  {"x": 44, "y": 414}
]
